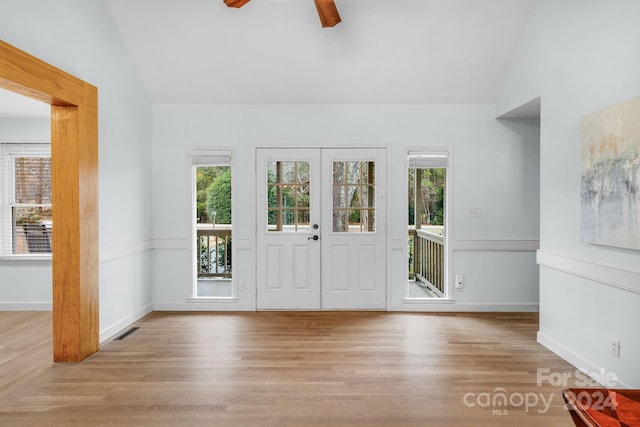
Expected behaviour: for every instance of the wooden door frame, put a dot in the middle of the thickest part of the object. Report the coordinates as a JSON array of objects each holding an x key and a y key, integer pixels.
[{"x": 74, "y": 154}]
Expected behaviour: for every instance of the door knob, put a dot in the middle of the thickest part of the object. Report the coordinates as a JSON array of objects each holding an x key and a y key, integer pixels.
[{"x": 314, "y": 237}]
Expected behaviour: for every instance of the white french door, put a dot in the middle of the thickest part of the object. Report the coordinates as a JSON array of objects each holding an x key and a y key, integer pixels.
[
  {"x": 288, "y": 207},
  {"x": 321, "y": 233}
]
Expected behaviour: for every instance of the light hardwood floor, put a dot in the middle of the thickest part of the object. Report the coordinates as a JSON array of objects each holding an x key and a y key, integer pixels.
[{"x": 287, "y": 369}]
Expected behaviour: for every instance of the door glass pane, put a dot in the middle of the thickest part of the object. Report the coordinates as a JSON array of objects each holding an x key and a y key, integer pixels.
[
  {"x": 368, "y": 197},
  {"x": 339, "y": 172},
  {"x": 289, "y": 197},
  {"x": 271, "y": 172},
  {"x": 353, "y": 197}
]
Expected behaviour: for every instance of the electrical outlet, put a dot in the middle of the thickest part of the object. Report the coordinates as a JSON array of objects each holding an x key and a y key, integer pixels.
[
  {"x": 474, "y": 212},
  {"x": 459, "y": 281},
  {"x": 243, "y": 285},
  {"x": 614, "y": 346}
]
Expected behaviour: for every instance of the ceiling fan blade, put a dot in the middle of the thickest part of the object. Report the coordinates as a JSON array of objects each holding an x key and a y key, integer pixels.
[
  {"x": 236, "y": 3},
  {"x": 328, "y": 12}
]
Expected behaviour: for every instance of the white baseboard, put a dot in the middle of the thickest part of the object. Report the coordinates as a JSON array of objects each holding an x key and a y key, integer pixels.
[
  {"x": 112, "y": 330},
  {"x": 435, "y": 306},
  {"x": 26, "y": 306},
  {"x": 202, "y": 306},
  {"x": 575, "y": 359}
]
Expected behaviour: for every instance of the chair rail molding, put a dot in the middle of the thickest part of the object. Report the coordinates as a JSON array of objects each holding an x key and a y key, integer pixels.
[{"x": 608, "y": 275}]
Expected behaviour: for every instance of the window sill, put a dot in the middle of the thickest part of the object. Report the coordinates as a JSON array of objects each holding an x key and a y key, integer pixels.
[
  {"x": 26, "y": 259},
  {"x": 428, "y": 300},
  {"x": 213, "y": 299}
]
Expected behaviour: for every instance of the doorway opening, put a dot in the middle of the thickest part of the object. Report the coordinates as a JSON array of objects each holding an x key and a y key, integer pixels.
[
  {"x": 427, "y": 254},
  {"x": 213, "y": 227},
  {"x": 74, "y": 168}
]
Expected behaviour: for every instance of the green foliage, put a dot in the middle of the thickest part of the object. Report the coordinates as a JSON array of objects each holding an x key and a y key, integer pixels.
[
  {"x": 219, "y": 198},
  {"x": 410, "y": 254},
  {"x": 205, "y": 175},
  {"x": 212, "y": 259},
  {"x": 438, "y": 207},
  {"x": 433, "y": 185},
  {"x": 224, "y": 253}
]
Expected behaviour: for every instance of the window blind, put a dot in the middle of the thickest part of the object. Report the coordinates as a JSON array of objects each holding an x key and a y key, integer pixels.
[
  {"x": 210, "y": 157},
  {"x": 428, "y": 159}
]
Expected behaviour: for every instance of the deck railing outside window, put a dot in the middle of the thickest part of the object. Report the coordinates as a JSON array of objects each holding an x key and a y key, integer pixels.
[
  {"x": 214, "y": 250},
  {"x": 427, "y": 260}
]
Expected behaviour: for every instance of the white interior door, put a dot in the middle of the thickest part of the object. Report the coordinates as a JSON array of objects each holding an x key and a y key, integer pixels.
[{"x": 321, "y": 234}]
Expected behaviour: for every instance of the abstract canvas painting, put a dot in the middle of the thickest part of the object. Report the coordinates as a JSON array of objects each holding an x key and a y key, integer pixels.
[{"x": 610, "y": 176}]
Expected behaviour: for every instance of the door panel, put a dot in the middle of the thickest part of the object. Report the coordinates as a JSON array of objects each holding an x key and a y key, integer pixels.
[
  {"x": 274, "y": 268},
  {"x": 339, "y": 271},
  {"x": 301, "y": 259},
  {"x": 367, "y": 279}
]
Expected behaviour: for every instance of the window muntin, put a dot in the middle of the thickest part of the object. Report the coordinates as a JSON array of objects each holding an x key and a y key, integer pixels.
[
  {"x": 354, "y": 196},
  {"x": 289, "y": 196}
]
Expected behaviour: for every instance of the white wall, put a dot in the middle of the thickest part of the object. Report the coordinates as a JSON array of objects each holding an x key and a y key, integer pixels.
[
  {"x": 80, "y": 37},
  {"x": 25, "y": 285},
  {"x": 25, "y": 129},
  {"x": 495, "y": 167},
  {"x": 579, "y": 56}
]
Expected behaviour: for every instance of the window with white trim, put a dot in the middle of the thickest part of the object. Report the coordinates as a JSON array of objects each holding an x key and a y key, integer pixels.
[
  {"x": 212, "y": 220},
  {"x": 25, "y": 199},
  {"x": 427, "y": 252}
]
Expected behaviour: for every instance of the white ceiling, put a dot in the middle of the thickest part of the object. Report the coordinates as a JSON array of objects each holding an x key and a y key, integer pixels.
[{"x": 275, "y": 51}]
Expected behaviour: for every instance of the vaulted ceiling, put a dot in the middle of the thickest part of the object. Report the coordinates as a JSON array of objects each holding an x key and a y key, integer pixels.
[{"x": 276, "y": 51}]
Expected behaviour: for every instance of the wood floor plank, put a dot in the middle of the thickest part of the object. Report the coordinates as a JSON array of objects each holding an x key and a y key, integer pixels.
[{"x": 288, "y": 369}]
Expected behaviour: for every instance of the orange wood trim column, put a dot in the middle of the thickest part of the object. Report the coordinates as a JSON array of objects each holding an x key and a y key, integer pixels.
[
  {"x": 75, "y": 232},
  {"x": 74, "y": 153}
]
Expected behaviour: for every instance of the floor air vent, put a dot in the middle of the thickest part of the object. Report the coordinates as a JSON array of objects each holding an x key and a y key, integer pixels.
[{"x": 126, "y": 333}]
